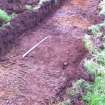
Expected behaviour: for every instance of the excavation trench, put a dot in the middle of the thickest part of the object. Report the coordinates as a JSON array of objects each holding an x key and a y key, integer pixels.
[{"x": 44, "y": 74}]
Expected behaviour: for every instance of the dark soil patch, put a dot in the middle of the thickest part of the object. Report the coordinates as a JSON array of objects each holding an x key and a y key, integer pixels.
[
  {"x": 16, "y": 6},
  {"x": 43, "y": 76}
]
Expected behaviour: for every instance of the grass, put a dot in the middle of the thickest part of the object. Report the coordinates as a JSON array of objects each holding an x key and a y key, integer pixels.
[
  {"x": 4, "y": 17},
  {"x": 96, "y": 64}
]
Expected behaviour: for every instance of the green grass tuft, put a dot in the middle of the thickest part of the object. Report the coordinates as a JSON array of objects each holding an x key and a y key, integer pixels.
[
  {"x": 95, "y": 65},
  {"x": 4, "y": 16}
]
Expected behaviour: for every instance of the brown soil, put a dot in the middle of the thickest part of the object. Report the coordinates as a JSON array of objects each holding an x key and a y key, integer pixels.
[{"x": 42, "y": 76}]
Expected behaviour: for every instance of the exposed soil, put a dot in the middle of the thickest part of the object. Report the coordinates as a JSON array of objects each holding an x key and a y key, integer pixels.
[{"x": 42, "y": 76}]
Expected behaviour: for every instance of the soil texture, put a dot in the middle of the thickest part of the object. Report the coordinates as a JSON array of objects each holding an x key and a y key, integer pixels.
[{"x": 42, "y": 76}]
